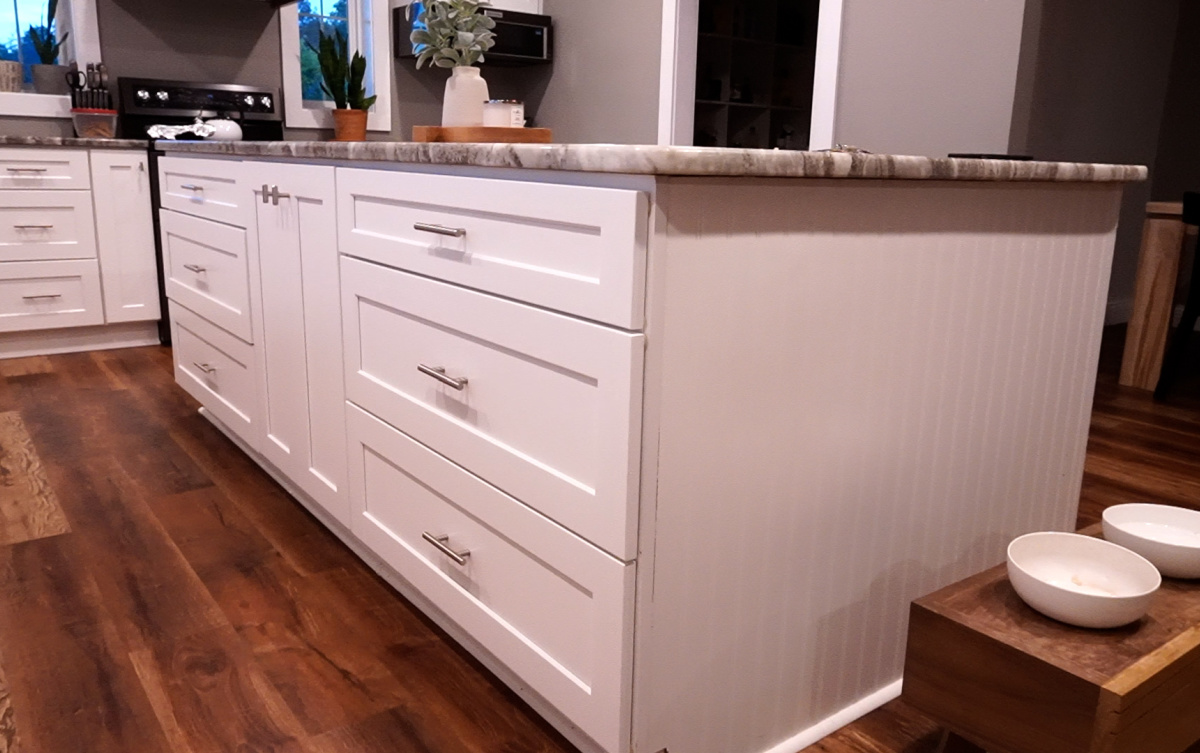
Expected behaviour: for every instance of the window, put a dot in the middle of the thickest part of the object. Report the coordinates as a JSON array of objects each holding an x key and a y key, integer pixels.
[
  {"x": 76, "y": 17},
  {"x": 365, "y": 24}
]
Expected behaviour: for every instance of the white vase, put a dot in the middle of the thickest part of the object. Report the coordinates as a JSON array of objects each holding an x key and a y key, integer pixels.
[{"x": 466, "y": 91}]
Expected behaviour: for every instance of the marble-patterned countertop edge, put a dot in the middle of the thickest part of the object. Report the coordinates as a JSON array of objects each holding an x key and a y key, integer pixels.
[
  {"x": 675, "y": 160},
  {"x": 66, "y": 141}
]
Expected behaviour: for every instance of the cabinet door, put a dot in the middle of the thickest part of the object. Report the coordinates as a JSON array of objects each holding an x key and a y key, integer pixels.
[
  {"x": 302, "y": 338},
  {"x": 125, "y": 235}
]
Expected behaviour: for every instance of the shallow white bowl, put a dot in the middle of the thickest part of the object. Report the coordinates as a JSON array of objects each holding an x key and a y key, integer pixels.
[
  {"x": 1167, "y": 536},
  {"x": 1081, "y": 580}
]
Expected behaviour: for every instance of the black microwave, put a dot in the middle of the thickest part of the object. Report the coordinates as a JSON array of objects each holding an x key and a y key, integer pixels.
[{"x": 521, "y": 38}]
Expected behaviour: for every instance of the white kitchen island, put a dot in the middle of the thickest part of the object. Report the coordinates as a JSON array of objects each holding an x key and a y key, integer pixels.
[{"x": 667, "y": 437}]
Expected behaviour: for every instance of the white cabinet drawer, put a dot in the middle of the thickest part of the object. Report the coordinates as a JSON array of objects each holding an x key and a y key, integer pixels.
[
  {"x": 44, "y": 225},
  {"x": 551, "y": 607},
  {"x": 205, "y": 188},
  {"x": 44, "y": 168},
  {"x": 550, "y": 411},
  {"x": 217, "y": 369},
  {"x": 48, "y": 294},
  {"x": 206, "y": 268},
  {"x": 576, "y": 249}
]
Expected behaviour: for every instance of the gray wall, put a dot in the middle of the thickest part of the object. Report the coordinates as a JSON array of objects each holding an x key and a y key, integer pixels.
[
  {"x": 227, "y": 41},
  {"x": 928, "y": 77},
  {"x": 1177, "y": 166},
  {"x": 1093, "y": 89}
]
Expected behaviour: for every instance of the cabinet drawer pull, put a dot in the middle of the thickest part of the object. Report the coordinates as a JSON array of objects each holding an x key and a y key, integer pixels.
[
  {"x": 191, "y": 187},
  {"x": 453, "y": 232},
  {"x": 43, "y": 296},
  {"x": 439, "y": 373},
  {"x": 28, "y": 169},
  {"x": 34, "y": 227},
  {"x": 204, "y": 367},
  {"x": 441, "y": 543},
  {"x": 195, "y": 268}
]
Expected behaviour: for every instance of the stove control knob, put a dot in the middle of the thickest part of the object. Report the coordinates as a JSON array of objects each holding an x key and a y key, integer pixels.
[
  {"x": 265, "y": 101},
  {"x": 162, "y": 96},
  {"x": 143, "y": 95},
  {"x": 249, "y": 100}
]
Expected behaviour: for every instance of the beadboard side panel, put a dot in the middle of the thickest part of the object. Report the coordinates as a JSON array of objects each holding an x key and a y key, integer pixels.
[{"x": 860, "y": 391}]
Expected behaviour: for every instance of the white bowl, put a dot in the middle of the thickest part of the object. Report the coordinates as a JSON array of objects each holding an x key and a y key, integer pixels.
[
  {"x": 1081, "y": 580},
  {"x": 1167, "y": 536}
]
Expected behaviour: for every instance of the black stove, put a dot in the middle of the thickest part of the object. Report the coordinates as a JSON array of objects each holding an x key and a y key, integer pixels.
[{"x": 147, "y": 101}]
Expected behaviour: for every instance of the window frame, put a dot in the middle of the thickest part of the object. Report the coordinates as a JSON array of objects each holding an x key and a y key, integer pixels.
[
  {"x": 379, "y": 118},
  {"x": 78, "y": 17}
]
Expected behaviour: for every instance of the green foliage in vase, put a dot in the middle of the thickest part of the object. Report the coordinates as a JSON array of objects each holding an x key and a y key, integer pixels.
[
  {"x": 451, "y": 33},
  {"x": 342, "y": 75},
  {"x": 43, "y": 38}
]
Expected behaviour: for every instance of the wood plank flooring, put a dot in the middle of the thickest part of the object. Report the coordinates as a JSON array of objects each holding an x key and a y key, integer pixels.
[{"x": 158, "y": 592}]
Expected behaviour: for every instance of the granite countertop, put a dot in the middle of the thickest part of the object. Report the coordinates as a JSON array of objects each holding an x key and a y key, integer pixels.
[
  {"x": 673, "y": 160},
  {"x": 73, "y": 142}
]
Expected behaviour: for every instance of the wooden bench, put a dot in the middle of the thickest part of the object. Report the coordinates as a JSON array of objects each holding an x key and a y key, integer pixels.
[{"x": 999, "y": 676}]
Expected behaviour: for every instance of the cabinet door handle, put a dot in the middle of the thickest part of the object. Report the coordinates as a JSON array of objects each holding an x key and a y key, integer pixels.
[
  {"x": 442, "y": 544},
  {"x": 195, "y": 268},
  {"x": 439, "y": 373},
  {"x": 34, "y": 227},
  {"x": 204, "y": 367},
  {"x": 28, "y": 169},
  {"x": 266, "y": 193},
  {"x": 276, "y": 196},
  {"x": 191, "y": 187},
  {"x": 43, "y": 296},
  {"x": 453, "y": 232}
]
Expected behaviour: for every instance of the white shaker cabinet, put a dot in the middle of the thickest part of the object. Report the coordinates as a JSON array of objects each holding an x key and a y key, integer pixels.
[
  {"x": 125, "y": 235},
  {"x": 304, "y": 413}
]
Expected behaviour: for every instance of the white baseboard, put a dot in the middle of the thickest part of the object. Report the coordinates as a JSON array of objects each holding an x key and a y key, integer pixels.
[
  {"x": 45, "y": 342},
  {"x": 838, "y": 720}
]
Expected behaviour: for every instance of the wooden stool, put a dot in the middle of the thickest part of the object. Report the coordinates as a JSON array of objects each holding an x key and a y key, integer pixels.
[{"x": 998, "y": 675}]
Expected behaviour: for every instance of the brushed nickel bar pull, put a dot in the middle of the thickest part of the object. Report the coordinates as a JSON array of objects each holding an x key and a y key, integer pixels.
[
  {"x": 28, "y": 169},
  {"x": 441, "y": 543},
  {"x": 204, "y": 367},
  {"x": 42, "y": 296},
  {"x": 439, "y": 373},
  {"x": 266, "y": 193},
  {"x": 191, "y": 187},
  {"x": 34, "y": 227},
  {"x": 276, "y": 196},
  {"x": 195, "y": 268},
  {"x": 453, "y": 232}
]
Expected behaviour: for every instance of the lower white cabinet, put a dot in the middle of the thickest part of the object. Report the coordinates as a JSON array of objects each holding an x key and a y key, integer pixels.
[
  {"x": 48, "y": 294},
  {"x": 218, "y": 369},
  {"x": 125, "y": 235},
  {"x": 552, "y": 607},
  {"x": 304, "y": 415},
  {"x": 76, "y": 250}
]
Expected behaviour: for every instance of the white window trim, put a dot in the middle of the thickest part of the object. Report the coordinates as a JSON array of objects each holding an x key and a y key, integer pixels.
[
  {"x": 79, "y": 18},
  {"x": 296, "y": 115}
]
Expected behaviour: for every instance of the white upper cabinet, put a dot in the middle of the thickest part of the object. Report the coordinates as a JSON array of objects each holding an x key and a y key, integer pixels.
[{"x": 125, "y": 235}]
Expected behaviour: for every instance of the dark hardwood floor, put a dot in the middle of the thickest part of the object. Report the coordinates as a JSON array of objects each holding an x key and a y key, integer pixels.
[{"x": 158, "y": 592}]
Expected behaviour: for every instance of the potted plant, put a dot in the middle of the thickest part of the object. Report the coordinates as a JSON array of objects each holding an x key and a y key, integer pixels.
[
  {"x": 343, "y": 81},
  {"x": 455, "y": 34},
  {"x": 48, "y": 77}
]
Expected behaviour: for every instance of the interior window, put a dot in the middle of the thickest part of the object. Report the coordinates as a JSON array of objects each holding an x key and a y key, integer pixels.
[{"x": 16, "y": 18}]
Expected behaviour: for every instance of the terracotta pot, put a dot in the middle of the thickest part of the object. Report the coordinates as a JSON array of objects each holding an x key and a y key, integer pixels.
[{"x": 349, "y": 125}]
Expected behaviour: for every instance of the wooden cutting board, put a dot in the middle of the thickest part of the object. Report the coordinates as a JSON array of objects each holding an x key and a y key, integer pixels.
[{"x": 481, "y": 135}]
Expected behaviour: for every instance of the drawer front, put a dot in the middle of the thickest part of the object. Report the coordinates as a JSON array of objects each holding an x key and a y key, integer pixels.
[
  {"x": 575, "y": 249},
  {"x": 217, "y": 369},
  {"x": 206, "y": 265},
  {"x": 205, "y": 188},
  {"x": 45, "y": 225},
  {"x": 551, "y": 408},
  {"x": 553, "y": 608},
  {"x": 50, "y": 294},
  {"x": 44, "y": 168}
]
